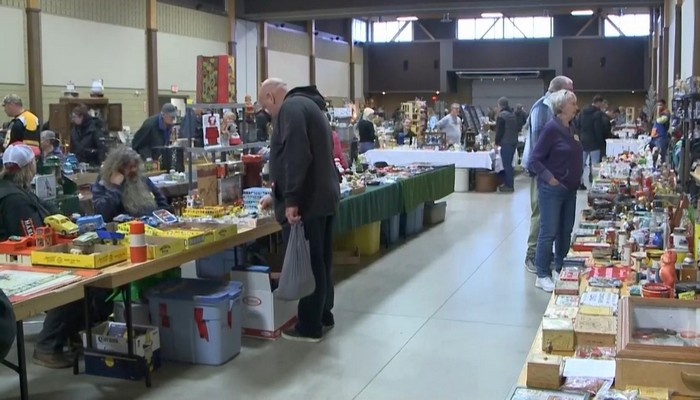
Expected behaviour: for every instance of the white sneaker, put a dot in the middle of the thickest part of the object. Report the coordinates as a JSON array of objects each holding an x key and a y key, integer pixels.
[
  {"x": 555, "y": 276},
  {"x": 545, "y": 284}
]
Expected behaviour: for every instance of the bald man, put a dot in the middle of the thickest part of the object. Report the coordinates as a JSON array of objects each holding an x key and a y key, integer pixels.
[{"x": 305, "y": 190}]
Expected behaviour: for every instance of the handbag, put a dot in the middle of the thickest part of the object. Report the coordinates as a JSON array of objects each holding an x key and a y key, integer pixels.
[{"x": 297, "y": 278}]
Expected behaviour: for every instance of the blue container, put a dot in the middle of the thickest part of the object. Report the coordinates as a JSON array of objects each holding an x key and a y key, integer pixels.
[
  {"x": 412, "y": 222},
  {"x": 200, "y": 321},
  {"x": 390, "y": 229},
  {"x": 219, "y": 265}
]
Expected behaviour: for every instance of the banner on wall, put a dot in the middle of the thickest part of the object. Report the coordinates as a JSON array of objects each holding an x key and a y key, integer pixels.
[{"x": 216, "y": 79}]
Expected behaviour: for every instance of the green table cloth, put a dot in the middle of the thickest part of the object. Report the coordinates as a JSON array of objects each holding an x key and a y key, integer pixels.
[
  {"x": 429, "y": 186},
  {"x": 375, "y": 204}
]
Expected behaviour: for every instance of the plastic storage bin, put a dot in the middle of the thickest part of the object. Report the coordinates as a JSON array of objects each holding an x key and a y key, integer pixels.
[
  {"x": 139, "y": 313},
  {"x": 390, "y": 229},
  {"x": 412, "y": 222},
  {"x": 434, "y": 213},
  {"x": 364, "y": 239},
  {"x": 200, "y": 321},
  {"x": 219, "y": 265}
]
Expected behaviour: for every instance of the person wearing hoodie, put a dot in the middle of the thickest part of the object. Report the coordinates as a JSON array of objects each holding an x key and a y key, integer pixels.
[
  {"x": 507, "y": 129},
  {"x": 592, "y": 136},
  {"x": 304, "y": 190},
  {"x": 85, "y": 137}
]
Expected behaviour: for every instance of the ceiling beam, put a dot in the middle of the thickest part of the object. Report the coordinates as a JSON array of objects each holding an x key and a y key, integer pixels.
[{"x": 425, "y": 30}]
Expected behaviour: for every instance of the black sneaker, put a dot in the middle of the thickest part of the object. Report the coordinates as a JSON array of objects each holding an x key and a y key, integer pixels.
[
  {"x": 582, "y": 187},
  {"x": 530, "y": 265},
  {"x": 53, "y": 360},
  {"x": 296, "y": 336}
]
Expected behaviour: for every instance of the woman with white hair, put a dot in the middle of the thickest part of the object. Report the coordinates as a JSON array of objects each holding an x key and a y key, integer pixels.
[
  {"x": 557, "y": 160},
  {"x": 365, "y": 128}
]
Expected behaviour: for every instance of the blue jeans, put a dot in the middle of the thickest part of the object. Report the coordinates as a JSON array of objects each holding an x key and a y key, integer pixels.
[
  {"x": 557, "y": 215},
  {"x": 594, "y": 156},
  {"x": 366, "y": 146},
  {"x": 662, "y": 144},
  {"x": 507, "y": 154}
]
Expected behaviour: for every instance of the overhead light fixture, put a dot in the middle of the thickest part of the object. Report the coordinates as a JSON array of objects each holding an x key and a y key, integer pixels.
[
  {"x": 407, "y": 19},
  {"x": 492, "y": 15},
  {"x": 582, "y": 13}
]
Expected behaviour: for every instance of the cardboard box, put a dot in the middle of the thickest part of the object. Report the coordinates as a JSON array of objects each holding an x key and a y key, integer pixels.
[
  {"x": 194, "y": 234},
  {"x": 566, "y": 287},
  {"x": 544, "y": 371},
  {"x": 264, "y": 316},
  {"x": 595, "y": 330},
  {"x": 159, "y": 247},
  {"x": 557, "y": 333},
  {"x": 59, "y": 256},
  {"x": 111, "y": 336}
]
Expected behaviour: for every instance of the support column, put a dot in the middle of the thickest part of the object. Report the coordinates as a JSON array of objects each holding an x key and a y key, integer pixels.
[
  {"x": 653, "y": 48},
  {"x": 677, "y": 43},
  {"x": 152, "y": 56},
  {"x": 311, "y": 29},
  {"x": 231, "y": 47},
  {"x": 664, "y": 61},
  {"x": 35, "y": 77},
  {"x": 352, "y": 60},
  {"x": 263, "y": 71}
]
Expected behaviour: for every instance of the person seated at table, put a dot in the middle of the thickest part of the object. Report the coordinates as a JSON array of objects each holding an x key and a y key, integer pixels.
[
  {"x": 404, "y": 133},
  {"x": 18, "y": 204},
  {"x": 365, "y": 129},
  {"x": 51, "y": 146},
  {"x": 123, "y": 188}
]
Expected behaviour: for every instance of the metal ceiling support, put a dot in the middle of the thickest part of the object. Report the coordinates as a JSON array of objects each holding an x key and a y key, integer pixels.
[
  {"x": 495, "y": 21},
  {"x": 594, "y": 17},
  {"x": 614, "y": 26},
  {"x": 405, "y": 24},
  {"x": 424, "y": 29},
  {"x": 512, "y": 21}
]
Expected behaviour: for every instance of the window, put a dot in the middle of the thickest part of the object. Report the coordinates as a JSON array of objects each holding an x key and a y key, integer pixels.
[
  {"x": 385, "y": 31},
  {"x": 630, "y": 25},
  {"x": 359, "y": 31},
  {"x": 504, "y": 28}
]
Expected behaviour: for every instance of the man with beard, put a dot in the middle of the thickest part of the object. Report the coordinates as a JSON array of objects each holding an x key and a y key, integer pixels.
[
  {"x": 305, "y": 190},
  {"x": 122, "y": 187}
]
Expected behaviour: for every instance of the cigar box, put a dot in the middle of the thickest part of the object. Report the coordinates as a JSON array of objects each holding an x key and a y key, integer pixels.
[
  {"x": 566, "y": 287},
  {"x": 598, "y": 331},
  {"x": 557, "y": 334},
  {"x": 544, "y": 371}
]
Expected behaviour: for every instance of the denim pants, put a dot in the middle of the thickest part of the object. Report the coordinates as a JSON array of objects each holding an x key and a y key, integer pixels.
[
  {"x": 594, "y": 157},
  {"x": 366, "y": 146},
  {"x": 557, "y": 215},
  {"x": 662, "y": 144},
  {"x": 507, "y": 154},
  {"x": 314, "y": 310}
]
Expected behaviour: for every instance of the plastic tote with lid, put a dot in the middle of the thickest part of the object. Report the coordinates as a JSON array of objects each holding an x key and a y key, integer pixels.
[{"x": 199, "y": 320}]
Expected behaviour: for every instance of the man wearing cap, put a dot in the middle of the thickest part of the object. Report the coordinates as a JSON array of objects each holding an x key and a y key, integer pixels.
[
  {"x": 155, "y": 132},
  {"x": 50, "y": 145},
  {"x": 24, "y": 126}
]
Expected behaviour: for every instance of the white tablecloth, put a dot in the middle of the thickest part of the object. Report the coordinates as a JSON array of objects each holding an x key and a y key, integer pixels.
[
  {"x": 461, "y": 159},
  {"x": 618, "y": 146}
]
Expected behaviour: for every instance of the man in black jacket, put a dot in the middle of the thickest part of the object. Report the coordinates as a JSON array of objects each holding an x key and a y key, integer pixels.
[
  {"x": 155, "y": 132},
  {"x": 592, "y": 135},
  {"x": 86, "y": 136},
  {"x": 305, "y": 189}
]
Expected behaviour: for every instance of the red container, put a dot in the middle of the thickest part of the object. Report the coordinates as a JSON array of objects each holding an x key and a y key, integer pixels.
[
  {"x": 656, "y": 290},
  {"x": 252, "y": 167}
]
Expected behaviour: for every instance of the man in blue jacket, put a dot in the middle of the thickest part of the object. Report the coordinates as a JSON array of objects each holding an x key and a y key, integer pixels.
[
  {"x": 123, "y": 188},
  {"x": 540, "y": 114}
]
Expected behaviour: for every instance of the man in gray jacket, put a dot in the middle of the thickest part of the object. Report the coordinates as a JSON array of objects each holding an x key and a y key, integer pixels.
[{"x": 540, "y": 114}]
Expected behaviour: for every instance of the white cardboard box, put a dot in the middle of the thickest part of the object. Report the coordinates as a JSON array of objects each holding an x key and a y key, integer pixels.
[
  {"x": 264, "y": 316},
  {"x": 110, "y": 336}
]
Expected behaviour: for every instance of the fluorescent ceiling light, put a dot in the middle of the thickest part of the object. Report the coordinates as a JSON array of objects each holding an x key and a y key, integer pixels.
[
  {"x": 407, "y": 18},
  {"x": 491, "y": 15},
  {"x": 580, "y": 13}
]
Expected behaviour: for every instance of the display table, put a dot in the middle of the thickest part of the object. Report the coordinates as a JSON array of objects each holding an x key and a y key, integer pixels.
[
  {"x": 462, "y": 160},
  {"x": 615, "y": 147}
]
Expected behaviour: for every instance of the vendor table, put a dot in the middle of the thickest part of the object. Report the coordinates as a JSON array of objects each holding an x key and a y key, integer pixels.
[
  {"x": 461, "y": 159},
  {"x": 615, "y": 147}
]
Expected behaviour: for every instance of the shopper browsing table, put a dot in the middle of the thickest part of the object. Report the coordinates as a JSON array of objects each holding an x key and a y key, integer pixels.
[
  {"x": 86, "y": 137},
  {"x": 557, "y": 160},
  {"x": 592, "y": 135},
  {"x": 155, "y": 131},
  {"x": 451, "y": 124},
  {"x": 507, "y": 130},
  {"x": 305, "y": 189},
  {"x": 540, "y": 114},
  {"x": 365, "y": 129}
]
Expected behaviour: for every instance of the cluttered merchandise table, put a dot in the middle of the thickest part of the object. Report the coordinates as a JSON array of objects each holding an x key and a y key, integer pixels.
[{"x": 622, "y": 320}]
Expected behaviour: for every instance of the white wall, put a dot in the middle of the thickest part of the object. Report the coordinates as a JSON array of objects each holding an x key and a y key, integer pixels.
[
  {"x": 333, "y": 78},
  {"x": 291, "y": 68},
  {"x": 80, "y": 51},
  {"x": 246, "y": 59},
  {"x": 177, "y": 59},
  {"x": 13, "y": 64}
]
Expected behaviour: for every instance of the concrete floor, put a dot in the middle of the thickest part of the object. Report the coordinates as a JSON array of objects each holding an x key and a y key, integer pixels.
[{"x": 450, "y": 314}]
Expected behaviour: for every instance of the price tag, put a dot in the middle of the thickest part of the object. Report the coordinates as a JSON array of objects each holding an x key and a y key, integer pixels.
[{"x": 686, "y": 296}]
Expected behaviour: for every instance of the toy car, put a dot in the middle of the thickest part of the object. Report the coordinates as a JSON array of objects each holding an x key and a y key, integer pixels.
[
  {"x": 62, "y": 225},
  {"x": 90, "y": 223}
]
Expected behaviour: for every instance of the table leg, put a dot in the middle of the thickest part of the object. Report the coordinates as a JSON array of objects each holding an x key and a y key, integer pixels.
[
  {"x": 22, "y": 362},
  {"x": 126, "y": 290}
]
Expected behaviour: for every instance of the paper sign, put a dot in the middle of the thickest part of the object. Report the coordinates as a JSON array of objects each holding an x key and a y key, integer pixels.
[{"x": 589, "y": 368}]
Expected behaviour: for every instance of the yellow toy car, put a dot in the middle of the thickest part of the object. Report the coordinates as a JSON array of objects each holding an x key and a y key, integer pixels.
[{"x": 62, "y": 225}]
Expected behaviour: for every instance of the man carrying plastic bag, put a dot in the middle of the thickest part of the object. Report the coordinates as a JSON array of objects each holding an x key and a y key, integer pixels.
[{"x": 305, "y": 194}]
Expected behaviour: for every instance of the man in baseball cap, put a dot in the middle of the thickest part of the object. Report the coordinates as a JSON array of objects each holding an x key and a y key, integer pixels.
[
  {"x": 50, "y": 145},
  {"x": 17, "y": 157},
  {"x": 155, "y": 132}
]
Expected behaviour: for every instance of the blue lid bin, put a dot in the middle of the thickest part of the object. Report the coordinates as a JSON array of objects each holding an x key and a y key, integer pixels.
[{"x": 200, "y": 321}]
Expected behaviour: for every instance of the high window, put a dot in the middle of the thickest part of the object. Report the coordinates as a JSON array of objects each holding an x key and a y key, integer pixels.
[
  {"x": 628, "y": 25},
  {"x": 359, "y": 31},
  {"x": 385, "y": 31},
  {"x": 504, "y": 28}
]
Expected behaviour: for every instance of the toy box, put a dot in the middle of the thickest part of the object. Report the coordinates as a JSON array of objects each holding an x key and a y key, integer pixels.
[
  {"x": 159, "y": 247},
  {"x": 60, "y": 256}
]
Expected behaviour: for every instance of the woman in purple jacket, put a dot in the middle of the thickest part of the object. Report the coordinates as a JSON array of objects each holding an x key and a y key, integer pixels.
[{"x": 557, "y": 161}]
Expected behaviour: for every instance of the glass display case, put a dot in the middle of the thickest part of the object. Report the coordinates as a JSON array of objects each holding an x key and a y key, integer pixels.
[{"x": 659, "y": 329}]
